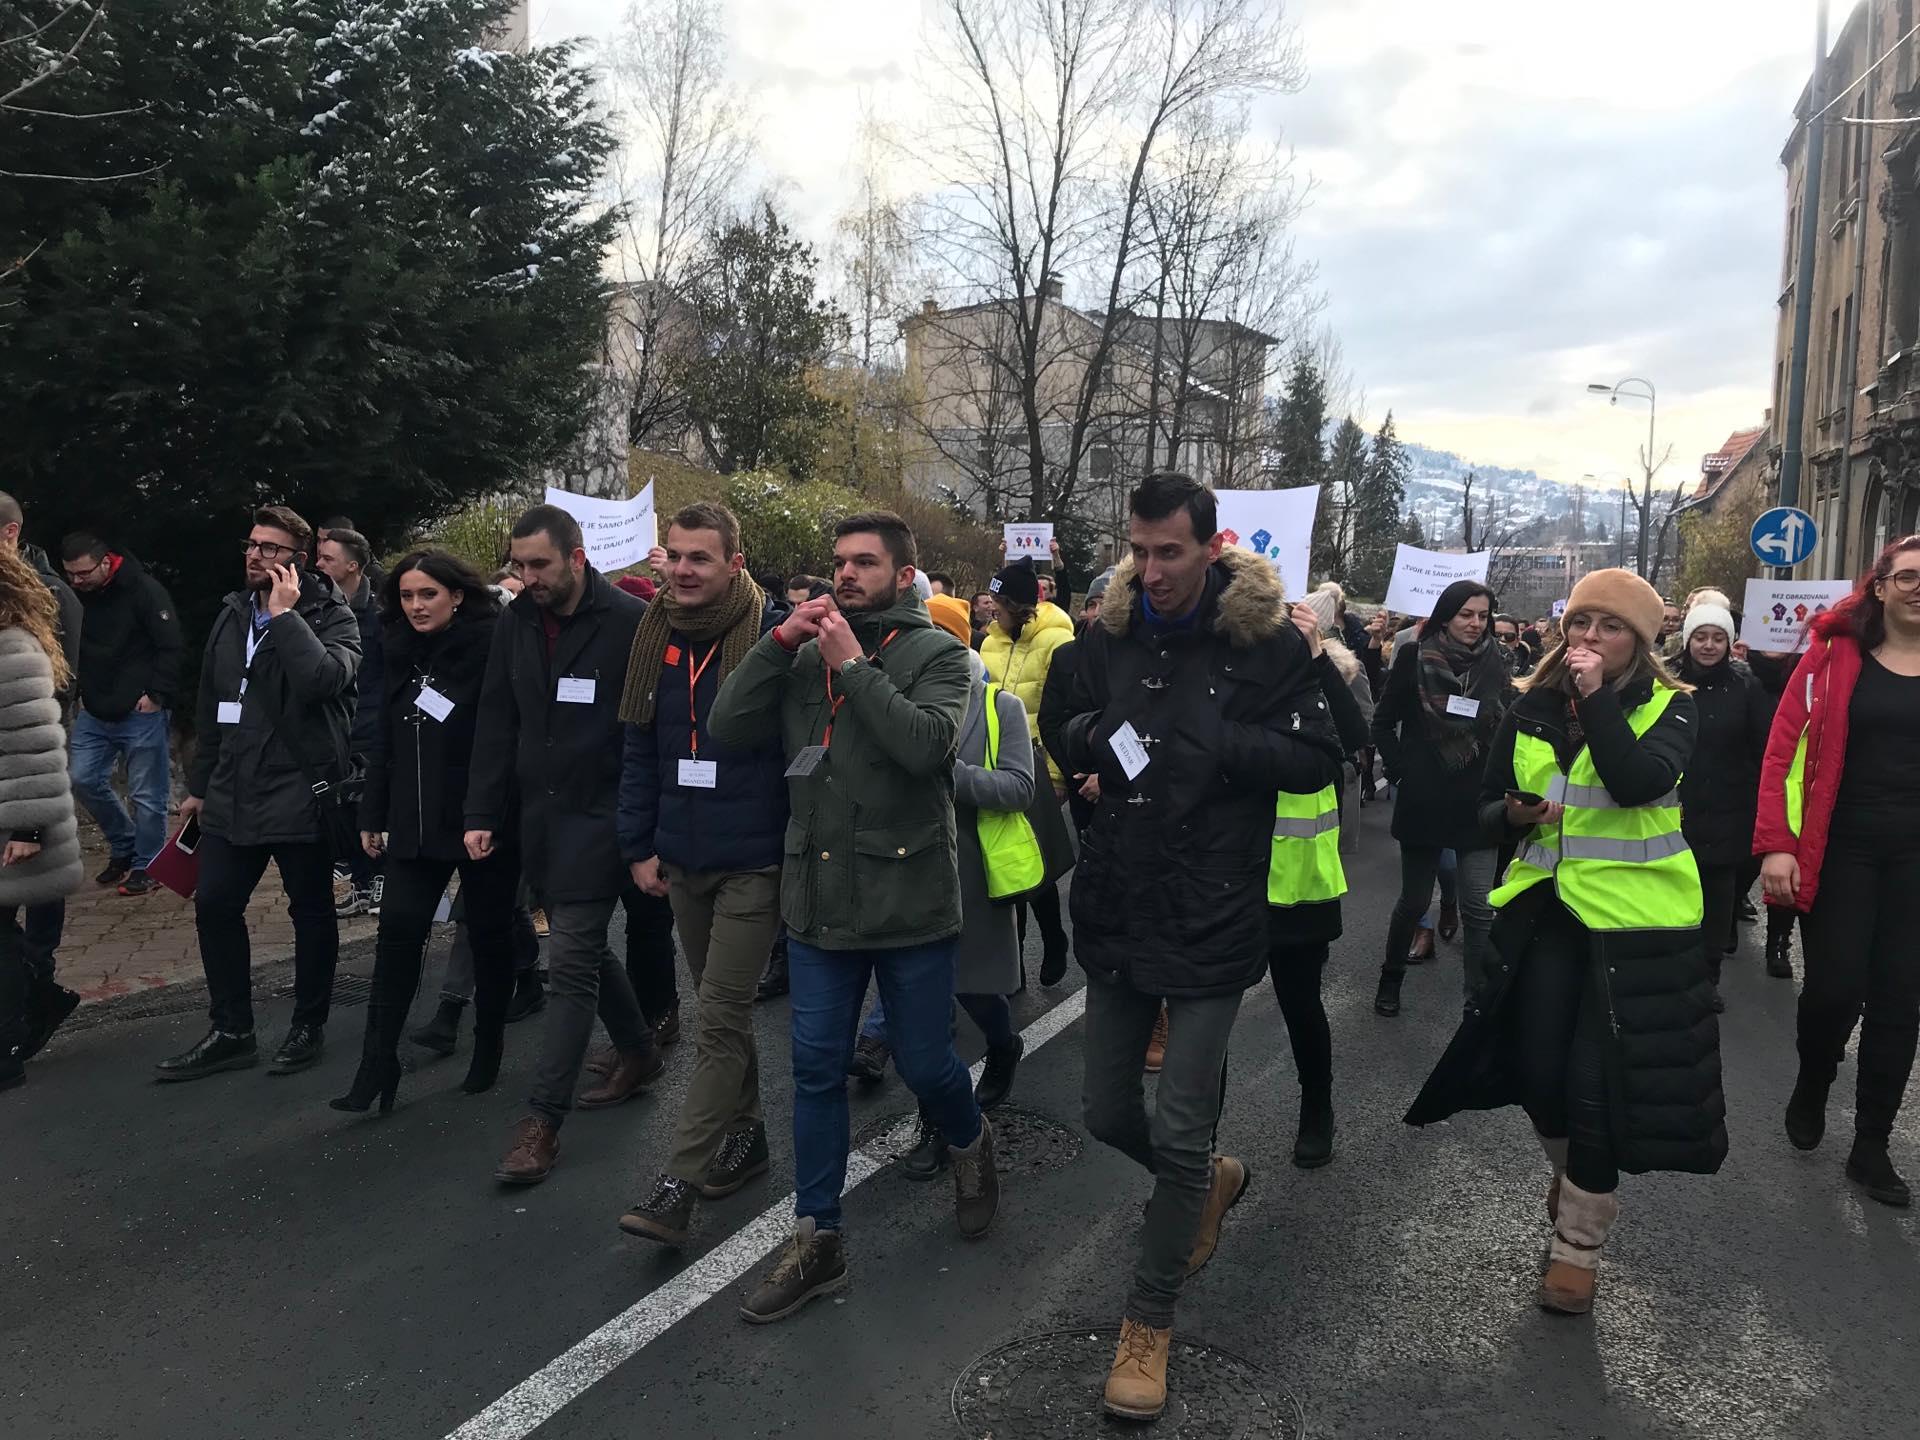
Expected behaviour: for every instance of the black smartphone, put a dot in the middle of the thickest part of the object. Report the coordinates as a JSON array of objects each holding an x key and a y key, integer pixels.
[
  {"x": 1526, "y": 797},
  {"x": 189, "y": 837}
]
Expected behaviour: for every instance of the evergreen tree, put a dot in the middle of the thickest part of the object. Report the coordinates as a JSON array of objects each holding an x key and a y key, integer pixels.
[
  {"x": 1377, "y": 515},
  {"x": 1333, "y": 523},
  {"x": 1300, "y": 452}
]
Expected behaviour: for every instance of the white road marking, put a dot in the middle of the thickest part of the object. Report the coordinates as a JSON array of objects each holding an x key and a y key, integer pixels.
[{"x": 569, "y": 1375}]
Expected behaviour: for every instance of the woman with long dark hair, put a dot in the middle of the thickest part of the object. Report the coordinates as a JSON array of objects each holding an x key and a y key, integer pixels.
[
  {"x": 440, "y": 624},
  {"x": 1434, "y": 726},
  {"x": 1596, "y": 1016},
  {"x": 1838, "y": 797}
]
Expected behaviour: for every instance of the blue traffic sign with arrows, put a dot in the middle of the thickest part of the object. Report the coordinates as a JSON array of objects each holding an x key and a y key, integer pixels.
[{"x": 1784, "y": 536}]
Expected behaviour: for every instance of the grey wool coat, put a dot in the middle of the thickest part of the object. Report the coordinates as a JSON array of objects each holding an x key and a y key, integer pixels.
[
  {"x": 988, "y": 959},
  {"x": 35, "y": 798}
]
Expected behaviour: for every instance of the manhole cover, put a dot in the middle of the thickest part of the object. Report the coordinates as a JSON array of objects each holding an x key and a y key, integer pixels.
[
  {"x": 1046, "y": 1386},
  {"x": 1024, "y": 1141},
  {"x": 347, "y": 990}
]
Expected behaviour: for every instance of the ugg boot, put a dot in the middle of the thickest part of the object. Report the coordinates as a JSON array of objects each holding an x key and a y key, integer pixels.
[
  {"x": 1556, "y": 1152},
  {"x": 1137, "y": 1383},
  {"x": 1573, "y": 1268}
]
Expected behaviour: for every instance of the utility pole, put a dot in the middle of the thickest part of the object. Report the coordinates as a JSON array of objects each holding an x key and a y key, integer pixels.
[{"x": 1791, "y": 452}]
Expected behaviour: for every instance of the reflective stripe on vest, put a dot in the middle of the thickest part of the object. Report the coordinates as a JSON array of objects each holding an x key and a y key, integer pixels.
[
  {"x": 1797, "y": 784},
  {"x": 1596, "y": 837},
  {"x": 1009, "y": 850},
  {"x": 1305, "y": 867}
]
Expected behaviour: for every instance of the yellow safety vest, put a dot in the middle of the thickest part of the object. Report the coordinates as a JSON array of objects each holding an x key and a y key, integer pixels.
[
  {"x": 1009, "y": 849},
  {"x": 1617, "y": 867},
  {"x": 1306, "y": 850}
]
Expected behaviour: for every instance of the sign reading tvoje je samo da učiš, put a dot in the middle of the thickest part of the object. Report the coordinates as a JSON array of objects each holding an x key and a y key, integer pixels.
[{"x": 615, "y": 533}]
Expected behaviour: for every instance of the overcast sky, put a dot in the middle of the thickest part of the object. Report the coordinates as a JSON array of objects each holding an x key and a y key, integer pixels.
[{"x": 1512, "y": 198}]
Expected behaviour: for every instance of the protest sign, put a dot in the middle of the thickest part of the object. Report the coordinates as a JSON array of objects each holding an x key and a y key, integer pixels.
[
  {"x": 1419, "y": 576},
  {"x": 1276, "y": 524},
  {"x": 1559, "y": 609},
  {"x": 616, "y": 533},
  {"x": 1778, "y": 612},
  {"x": 1034, "y": 541}
]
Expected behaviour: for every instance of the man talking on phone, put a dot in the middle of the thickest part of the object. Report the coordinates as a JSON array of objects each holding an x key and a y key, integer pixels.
[{"x": 277, "y": 692}]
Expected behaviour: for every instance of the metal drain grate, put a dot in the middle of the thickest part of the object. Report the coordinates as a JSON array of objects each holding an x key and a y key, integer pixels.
[
  {"x": 1024, "y": 1141},
  {"x": 1050, "y": 1385},
  {"x": 347, "y": 990}
]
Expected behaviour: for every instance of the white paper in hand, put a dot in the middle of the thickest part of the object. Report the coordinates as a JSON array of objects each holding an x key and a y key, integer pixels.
[{"x": 1128, "y": 750}]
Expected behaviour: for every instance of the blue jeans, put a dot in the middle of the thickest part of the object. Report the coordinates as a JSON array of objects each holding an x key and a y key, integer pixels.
[
  {"x": 143, "y": 740},
  {"x": 916, "y": 985}
]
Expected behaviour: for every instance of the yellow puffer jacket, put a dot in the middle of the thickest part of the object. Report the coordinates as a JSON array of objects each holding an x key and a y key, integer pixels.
[{"x": 1020, "y": 668}]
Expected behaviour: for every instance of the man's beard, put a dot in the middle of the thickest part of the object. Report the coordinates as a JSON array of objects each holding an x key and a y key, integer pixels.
[
  {"x": 866, "y": 604},
  {"x": 558, "y": 593}
]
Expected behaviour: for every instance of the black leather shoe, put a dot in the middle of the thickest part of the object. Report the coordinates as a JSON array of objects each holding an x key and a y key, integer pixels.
[
  {"x": 928, "y": 1157},
  {"x": 774, "y": 983},
  {"x": 1313, "y": 1147},
  {"x": 996, "y": 1075},
  {"x": 1780, "y": 955},
  {"x": 1869, "y": 1167},
  {"x": 48, "y": 1007},
  {"x": 299, "y": 1051},
  {"x": 529, "y": 998},
  {"x": 1807, "y": 1112},
  {"x": 216, "y": 1051},
  {"x": 1386, "y": 1000}
]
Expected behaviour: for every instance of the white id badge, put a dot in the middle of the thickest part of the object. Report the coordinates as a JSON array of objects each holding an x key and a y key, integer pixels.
[
  {"x": 575, "y": 690},
  {"x": 228, "y": 713},
  {"x": 434, "y": 703},
  {"x": 1128, "y": 750},
  {"x": 1463, "y": 705},
  {"x": 806, "y": 761},
  {"x": 699, "y": 774}
]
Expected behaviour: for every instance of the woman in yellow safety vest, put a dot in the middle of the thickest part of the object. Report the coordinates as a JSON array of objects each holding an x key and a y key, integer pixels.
[{"x": 1596, "y": 1015}]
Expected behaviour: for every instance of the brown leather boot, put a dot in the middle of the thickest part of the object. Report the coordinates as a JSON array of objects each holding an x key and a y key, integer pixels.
[
  {"x": 601, "y": 1061},
  {"x": 530, "y": 1159},
  {"x": 1137, "y": 1383},
  {"x": 1573, "y": 1268},
  {"x": 1157, "y": 1043},
  {"x": 632, "y": 1073},
  {"x": 1230, "y": 1181}
]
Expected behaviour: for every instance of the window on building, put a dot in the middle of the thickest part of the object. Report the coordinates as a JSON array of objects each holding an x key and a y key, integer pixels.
[
  {"x": 1792, "y": 246},
  {"x": 1833, "y": 353},
  {"x": 1100, "y": 462}
]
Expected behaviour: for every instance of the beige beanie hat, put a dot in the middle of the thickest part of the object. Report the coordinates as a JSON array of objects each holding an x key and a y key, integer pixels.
[{"x": 1624, "y": 594}]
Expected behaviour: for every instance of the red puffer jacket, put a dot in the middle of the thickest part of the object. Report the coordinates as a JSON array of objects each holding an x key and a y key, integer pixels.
[{"x": 1816, "y": 702}]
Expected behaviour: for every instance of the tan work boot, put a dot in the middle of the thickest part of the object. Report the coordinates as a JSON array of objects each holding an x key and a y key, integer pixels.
[
  {"x": 536, "y": 1146},
  {"x": 1573, "y": 1261},
  {"x": 1137, "y": 1384},
  {"x": 1157, "y": 1042},
  {"x": 1230, "y": 1181}
]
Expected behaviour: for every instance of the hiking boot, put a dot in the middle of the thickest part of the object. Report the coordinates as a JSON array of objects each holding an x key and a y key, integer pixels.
[
  {"x": 996, "y": 1074},
  {"x": 1313, "y": 1146},
  {"x": 1807, "y": 1111},
  {"x": 976, "y": 1184},
  {"x": 1230, "y": 1181},
  {"x": 441, "y": 1034},
  {"x": 602, "y": 1061},
  {"x": 928, "y": 1155},
  {"x": 1157, "y": 1042},
  {"x": 1871, "y": 1168},
  {"x": 301, "y": 1050},
  {"x": 742, "y": 1156},
  {"x": 869, "y": 1062},
  {"x": 1421, "y": 950},
  {"x": 216, "y": 1051},
  {"x": 529, "y": 996},
  {"x": 813, "y": 1263},
  {"x": 118, "y": 868},
  {"x": 1386, "y": 1000},
  {"x": 533, "y": 1154},
  {"x": 1137, "y": 1383},
  {"x": 48, "y": 1006},
  {"x": 666, "y": 1030},
  {"x": 633, "y": 1072},
  {"x": 138, "y": 882},
  {"x": 666, "y": 1215},
  {"x": 1780, "y": 955},
  {"x": 1449, "y": 920}
]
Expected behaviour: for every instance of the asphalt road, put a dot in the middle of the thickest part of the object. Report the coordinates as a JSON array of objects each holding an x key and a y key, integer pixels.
[{"x": 233, "y": 1259}]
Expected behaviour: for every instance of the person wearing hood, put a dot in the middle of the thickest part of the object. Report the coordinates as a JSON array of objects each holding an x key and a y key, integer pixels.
[
  {"x": 1721, "y": 788},
  {"x": 275, "y": 707},
  {"x": 1434, "y": 727},
  {"x": 1019, "y": 648}
]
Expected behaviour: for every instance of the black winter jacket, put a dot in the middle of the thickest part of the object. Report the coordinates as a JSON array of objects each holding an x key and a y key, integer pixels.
[
  {"x": 1056, "y": 708},
  {"x": 416, "y": 786},
  {"x": 1170, "y": 896},
  {"x": 368, "y": 726},
  {"x": 298, "y": 706},
  {"x": 1666, "y": 1108},
  {"x": 1432, "y": 806},
  {"x": 131, "y": 644},
  {"x": 741, "y": 823},
  {"x": 1721, "y": 791},
  {"x": 69, "y": 624},
  {"x": 560, "y": 757}
]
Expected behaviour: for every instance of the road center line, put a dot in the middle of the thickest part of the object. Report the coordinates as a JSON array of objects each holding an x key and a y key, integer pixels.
[{"x": 574, "y": 1371}]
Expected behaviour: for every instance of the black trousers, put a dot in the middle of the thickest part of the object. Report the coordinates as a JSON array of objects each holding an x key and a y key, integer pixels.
[
  {"x": 1296, "y": 971},
  {"x": 413, "y": 892},
  {"x": 44, "y": 925},
  {"x": 228, "y": 875},
  {"x": 650, "y": 952},
  {"x": 16, "y": 983},
  {"x": 1560, "y": 1027},
  {"x": 1863, "y": 965},
  {"x": 1719, "y": 913}
]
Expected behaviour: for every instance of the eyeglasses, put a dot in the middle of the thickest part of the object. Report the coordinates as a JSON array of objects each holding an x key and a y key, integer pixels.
[
  {"x": 1609, "y": 626},
  {"x": 1905, "y": 582},
  {"x": 76, "y": 576},
  {"x": 268, "y": 550}
]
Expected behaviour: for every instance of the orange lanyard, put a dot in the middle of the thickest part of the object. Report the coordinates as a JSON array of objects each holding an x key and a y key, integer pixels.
[
  {"x": 836, "y": 701},
  {"x": 693, "y": 679}
]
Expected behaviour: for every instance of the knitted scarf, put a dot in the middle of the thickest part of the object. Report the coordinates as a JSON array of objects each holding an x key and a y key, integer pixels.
[
  {"x": 734, "y": 619},
  {"x": 1477, "y": 672}
]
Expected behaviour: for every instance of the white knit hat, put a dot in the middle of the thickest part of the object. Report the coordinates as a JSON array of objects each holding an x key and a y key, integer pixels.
[
  {"x": 1325, "y": 605},
  {"x": 1705, "y": 614}
]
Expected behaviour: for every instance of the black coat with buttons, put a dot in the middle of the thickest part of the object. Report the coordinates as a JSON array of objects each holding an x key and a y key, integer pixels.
[{"x": 1170, "y": 897}]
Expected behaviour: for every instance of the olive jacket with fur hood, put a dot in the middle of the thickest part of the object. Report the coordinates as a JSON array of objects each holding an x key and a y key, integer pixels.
[{"x": 1170, "y": 896}]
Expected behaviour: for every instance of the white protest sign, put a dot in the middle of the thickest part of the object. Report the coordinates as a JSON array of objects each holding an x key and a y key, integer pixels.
[
  {"x": 1277, "y": 524},
  {"x": 617, "y": 533},
  {"x": 1559, "y": 608},
  {"x": 1778, "y": 611},
  {"x": 1034, "y": 541},
  {"x": 1419, "y": 576}
]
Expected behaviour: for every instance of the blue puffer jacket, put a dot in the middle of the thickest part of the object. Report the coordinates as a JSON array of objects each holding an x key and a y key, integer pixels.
[{"x": 741, "y": 823}]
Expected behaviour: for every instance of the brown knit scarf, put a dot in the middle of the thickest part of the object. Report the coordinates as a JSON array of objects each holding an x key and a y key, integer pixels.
[{"x": 734, "y": 618}]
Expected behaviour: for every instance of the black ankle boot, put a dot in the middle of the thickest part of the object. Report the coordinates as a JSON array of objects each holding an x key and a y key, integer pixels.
[
  {"x": 1807, "y": 1110},
  {"x": 996, "y": 1075},
  {"x": 1780, "y": 954},
  {"x": 1314, "y": 1145},
  {"x": 928, "y": 1157},
  {"x": 1871, "y": 1168},
  {"x": 441, "y": 1034},
  {"x": 48, "y": 1006},
  {"x": 774, "y": 984},
  {"x": 489, "y": 1048},
  {"x": 379, "y": 1074},
  {"x": 529, "y": 996}
]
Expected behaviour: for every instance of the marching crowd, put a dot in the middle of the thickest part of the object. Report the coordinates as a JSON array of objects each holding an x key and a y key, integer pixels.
[{"x": 864, "y": 782}]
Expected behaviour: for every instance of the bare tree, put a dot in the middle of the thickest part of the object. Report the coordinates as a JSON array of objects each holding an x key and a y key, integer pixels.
[{"x": 687, "y": 137}]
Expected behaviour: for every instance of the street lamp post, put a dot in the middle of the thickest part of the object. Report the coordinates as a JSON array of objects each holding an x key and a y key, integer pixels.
[{"x": 1614, "y": 393}]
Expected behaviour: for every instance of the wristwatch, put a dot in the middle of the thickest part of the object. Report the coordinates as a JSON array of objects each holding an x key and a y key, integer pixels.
[{"x": 846, "y": 666}]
